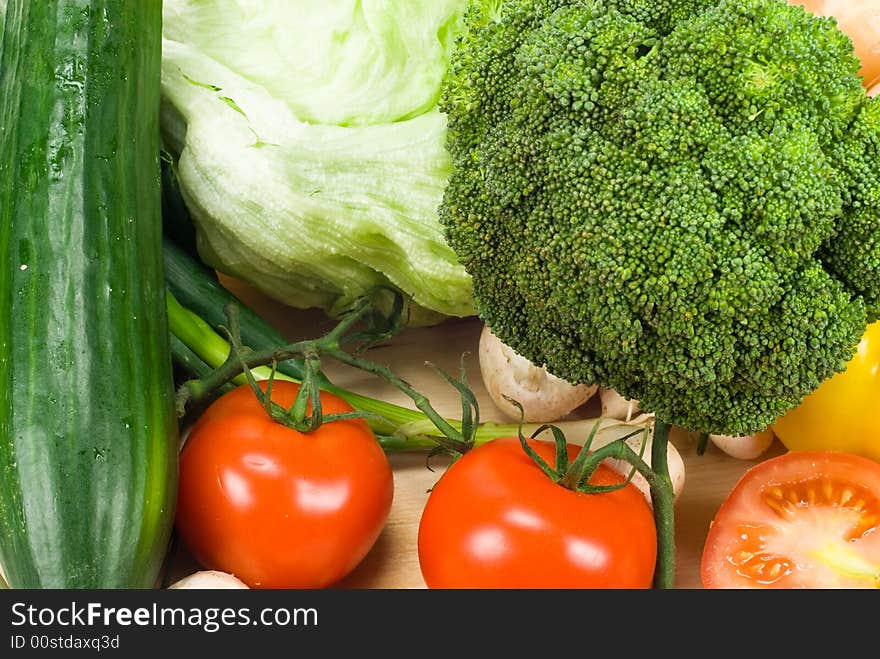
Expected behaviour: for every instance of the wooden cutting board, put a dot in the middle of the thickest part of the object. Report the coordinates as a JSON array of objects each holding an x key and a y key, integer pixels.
[{"x": 393, "y": 561}]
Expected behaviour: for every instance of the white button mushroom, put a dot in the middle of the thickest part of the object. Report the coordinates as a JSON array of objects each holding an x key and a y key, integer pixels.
[
  {"x": 747, "y": 447},
  {"x": 543, "y": 396},
  {"x": 208, "y": 580},
  {"x": 615, "y": 406}
]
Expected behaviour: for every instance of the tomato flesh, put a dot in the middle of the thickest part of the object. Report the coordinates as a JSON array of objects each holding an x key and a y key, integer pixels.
[{"x": 806, "y": 519}]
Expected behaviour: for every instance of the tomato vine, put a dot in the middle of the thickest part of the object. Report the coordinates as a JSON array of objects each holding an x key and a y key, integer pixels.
[{"x": 364, "y": 327}]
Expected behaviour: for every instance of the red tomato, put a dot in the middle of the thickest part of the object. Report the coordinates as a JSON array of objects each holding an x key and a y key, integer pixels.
[
  {"x": 275, "y": 507},
  {"x": 495, "y": 520},
  {"x": 805, "y": 519}
]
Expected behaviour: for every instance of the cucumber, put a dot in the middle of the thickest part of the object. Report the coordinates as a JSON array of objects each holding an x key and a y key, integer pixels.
[{"x": 88, "y": 432}]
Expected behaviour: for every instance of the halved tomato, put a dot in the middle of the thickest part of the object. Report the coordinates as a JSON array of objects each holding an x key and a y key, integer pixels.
[{"x": 805, "y": 519}]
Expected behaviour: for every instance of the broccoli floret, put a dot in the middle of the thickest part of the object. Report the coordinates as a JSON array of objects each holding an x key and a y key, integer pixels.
[
  {"x": 852, "y": 254},
  {"x": 678, "y": 200}
]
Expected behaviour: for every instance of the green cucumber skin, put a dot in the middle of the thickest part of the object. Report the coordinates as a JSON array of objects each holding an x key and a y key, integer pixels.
[{"x": 88, "y": 433}]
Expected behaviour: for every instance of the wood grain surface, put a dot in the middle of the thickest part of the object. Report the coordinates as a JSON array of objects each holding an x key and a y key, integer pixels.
[{"x": 393, "y": 561}]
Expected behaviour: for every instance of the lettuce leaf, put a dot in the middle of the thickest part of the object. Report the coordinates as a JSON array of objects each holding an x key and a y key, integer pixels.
[{"x": 310, "y": 150}]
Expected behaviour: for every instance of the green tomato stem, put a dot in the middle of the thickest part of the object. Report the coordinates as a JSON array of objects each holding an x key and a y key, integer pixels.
[
  {"x": 397, "y": 428},
  {"x": 664, "y": 509}
]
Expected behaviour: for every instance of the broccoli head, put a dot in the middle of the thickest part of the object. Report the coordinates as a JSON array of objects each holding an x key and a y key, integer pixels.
[{"x": 677, "y": 199}]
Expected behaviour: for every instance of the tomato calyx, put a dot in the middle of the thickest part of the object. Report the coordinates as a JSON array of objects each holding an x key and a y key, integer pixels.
[
  {"x": 306, "y": 414},
  {"x": 457, "y": 442},
  {"x": 575, "y": 475}
]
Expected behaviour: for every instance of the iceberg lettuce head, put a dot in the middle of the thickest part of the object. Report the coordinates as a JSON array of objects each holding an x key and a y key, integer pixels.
[{"x": 310, "y": 150}]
